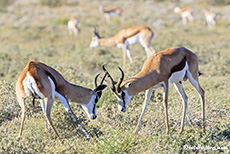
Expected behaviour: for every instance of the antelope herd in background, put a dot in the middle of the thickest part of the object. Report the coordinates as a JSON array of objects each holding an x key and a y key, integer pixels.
[
  {"x": 110, "y": 12},
  {"x": 185, "y": 13},
  {"x": 172, "y": 65},
  {"x": 210, "y": 18},
  {"x": 73, "y": 26},
  {"x": 126, "y": 37}
]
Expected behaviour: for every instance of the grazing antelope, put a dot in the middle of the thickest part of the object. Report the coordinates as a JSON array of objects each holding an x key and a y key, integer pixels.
[
  {"x": 172, "y": 65},
  {"x": 210, "y": 18},
  {"x": 45, "y": 83},
  {"x": 126, "y": 37},
  {"x": 185, "y": 13},
  {"x": 73, "y": 26},
  {"x": 110, "y": 12}
]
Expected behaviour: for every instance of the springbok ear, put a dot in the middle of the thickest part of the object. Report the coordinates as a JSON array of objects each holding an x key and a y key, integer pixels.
[{"x": 99, "y": 88}]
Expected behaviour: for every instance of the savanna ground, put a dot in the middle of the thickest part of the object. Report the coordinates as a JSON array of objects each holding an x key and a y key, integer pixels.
[{"x": 37, "y": 30}]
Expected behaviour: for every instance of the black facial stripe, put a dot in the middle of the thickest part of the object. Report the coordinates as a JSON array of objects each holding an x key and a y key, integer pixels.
[
  {"x": 123, "y": 98},
  {"x": 95, "y": 104},
  {"x": 96, "y": 99},
  {"x": 99, "y": 94},
  {"x": 94, "y": 109}
]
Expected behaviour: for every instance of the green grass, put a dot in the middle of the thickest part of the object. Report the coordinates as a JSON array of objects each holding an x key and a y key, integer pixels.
[{"x": 45, "y": 38}]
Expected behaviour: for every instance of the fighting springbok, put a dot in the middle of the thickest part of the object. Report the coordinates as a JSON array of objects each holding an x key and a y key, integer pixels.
[
  {"x": 185, "y": 13},
  {"x": 110, "y": 12},
  {"x": 73, "y": 26},
  {"x": 172, "y": 65},
  {"x": 126, "y": 37},
  {"x": 45, "y": 83},
  {"x": 210, "y": 18}
]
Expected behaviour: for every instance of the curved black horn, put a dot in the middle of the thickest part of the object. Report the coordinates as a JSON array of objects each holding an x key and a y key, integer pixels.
[
  {"x": 102, "y": 80},
  {"x": 121, "y": 79},
  {"x": 96, "y": 31},
  {"x": 95, "y": 80},
  {"x": 113, "y": 83}
]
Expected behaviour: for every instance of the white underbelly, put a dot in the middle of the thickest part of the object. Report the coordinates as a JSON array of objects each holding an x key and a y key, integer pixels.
[
  {"x": 112, "y": 13},
  {"x": 178, "y": 76},
  {"x": 134, "y": 39},
  {"x": 175, "y": 77},
  {"x": 185, "y": 14}
]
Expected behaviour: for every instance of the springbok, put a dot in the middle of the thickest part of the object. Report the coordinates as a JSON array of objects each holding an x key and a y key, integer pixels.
[
  {"x": 126, "y": 37},
  {"x": 73, "y": 26},
  {"x": 110, "y": 12},
  {"x": 45, "y": 83},
  {"x": 210, "y": 18},
  {"x": 185, "y": 13},
  {"x": 172, "y": 65}
]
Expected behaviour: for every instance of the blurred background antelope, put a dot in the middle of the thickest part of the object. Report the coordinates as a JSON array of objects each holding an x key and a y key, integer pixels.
[
  {"x": 210, "y": 18},
  {"x": 116, "y": 11}
]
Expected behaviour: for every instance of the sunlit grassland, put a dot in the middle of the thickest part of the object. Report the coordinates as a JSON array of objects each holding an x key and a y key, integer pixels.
[{"x": 45, "y": 38}]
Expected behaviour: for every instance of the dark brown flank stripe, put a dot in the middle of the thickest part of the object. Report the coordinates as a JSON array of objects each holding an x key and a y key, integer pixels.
[{"x": 179, "y": 66}]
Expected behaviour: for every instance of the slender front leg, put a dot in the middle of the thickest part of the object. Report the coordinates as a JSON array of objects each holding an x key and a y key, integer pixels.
[
  {"x": 148, "y": 94},
  {"x": 128, "y": 51},
  {"x": 22, "y": 104},
  {"x": 184, "y": 20},
  {"x": 166, "y": 92},
  {"x": 195, "y": 83},
  {"x": 180, "y": 90},
  {"x": 49, "y": 104},
  {"x": 67, "y": 107}
]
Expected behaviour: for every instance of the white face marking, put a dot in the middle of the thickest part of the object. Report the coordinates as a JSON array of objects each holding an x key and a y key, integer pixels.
[
  {"x": 176, "y": 10},
  {"x": 94, "y": 43},
  {"x": 123, "y": 100},
  {"x": 31, "y": 87},
  {"x": 90, "y": 107}
]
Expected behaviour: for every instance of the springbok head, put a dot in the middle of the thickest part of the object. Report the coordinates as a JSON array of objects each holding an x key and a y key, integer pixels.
[
  {"x": 94, "y": 43},
  {"x": 120, "y": 91},
  {"x": 90, "y": 108}
]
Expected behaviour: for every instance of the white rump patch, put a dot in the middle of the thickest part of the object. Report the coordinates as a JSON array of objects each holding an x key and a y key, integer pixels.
[{"x": 31, "y": 87}]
